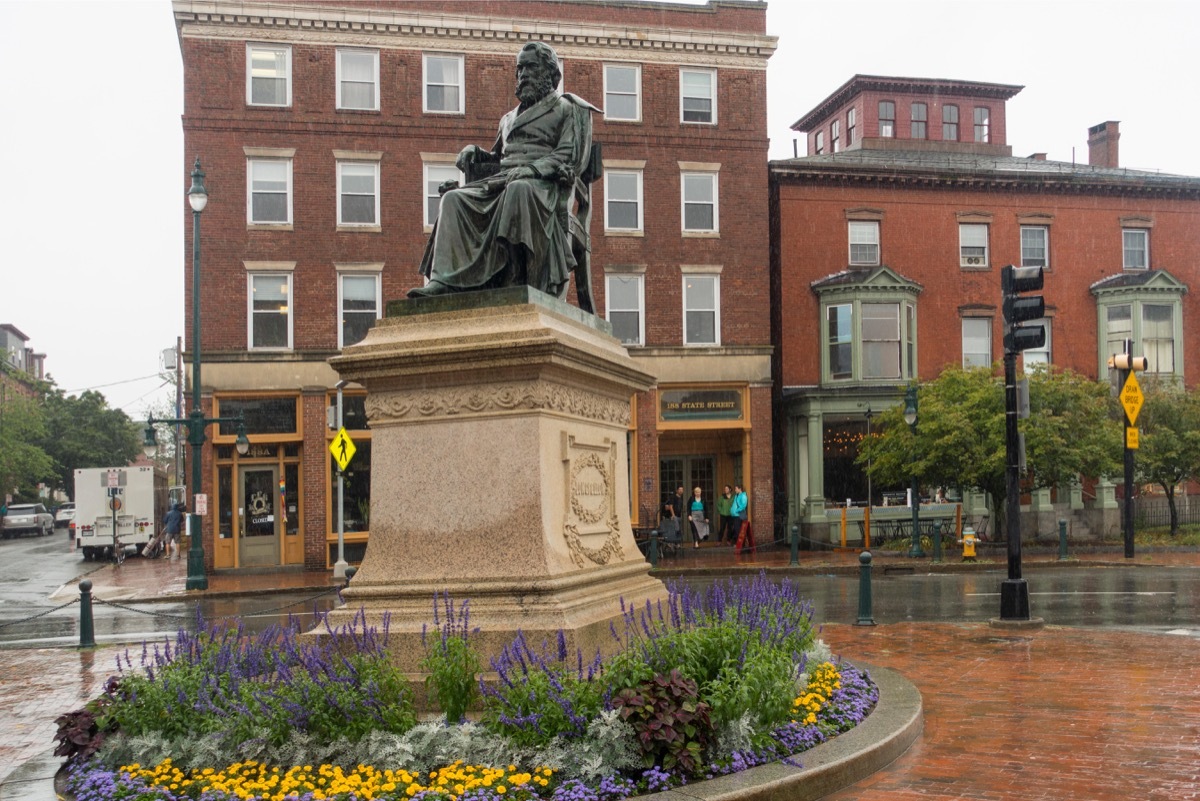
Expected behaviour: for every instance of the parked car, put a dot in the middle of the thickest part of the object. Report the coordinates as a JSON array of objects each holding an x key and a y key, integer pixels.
[
  {"x": 28, "y": 518},
  {"x": 64, "y": 515}
]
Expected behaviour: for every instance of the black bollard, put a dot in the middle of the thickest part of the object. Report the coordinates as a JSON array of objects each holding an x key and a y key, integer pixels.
[
  {"x": 795, "y": 547},
  {"x": 1062, "y": 540},
  {"x": 864, "y": 590},
  {"x": 937, "y": 541},
  {"x": 653, "y": 548},
  {"x": 87, "y": 629}
]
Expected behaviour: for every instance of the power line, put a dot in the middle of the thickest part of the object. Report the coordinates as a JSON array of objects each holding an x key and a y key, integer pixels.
[{"x": 113, "y": 384}]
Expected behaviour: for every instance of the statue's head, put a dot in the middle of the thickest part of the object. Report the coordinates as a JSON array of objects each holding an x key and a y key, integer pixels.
[{"x": 538, "y": 72}]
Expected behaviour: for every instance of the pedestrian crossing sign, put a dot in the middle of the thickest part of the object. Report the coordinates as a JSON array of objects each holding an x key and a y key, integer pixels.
[{"x": 342, "y": 448}]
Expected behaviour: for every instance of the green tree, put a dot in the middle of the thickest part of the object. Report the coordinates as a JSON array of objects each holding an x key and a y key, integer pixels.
[
  {"x": 1169, "y": 440},
  {"x": 82, "y": 431},
  {"x": 23, "y": 463},
  {"x": 960, "y": 437}
]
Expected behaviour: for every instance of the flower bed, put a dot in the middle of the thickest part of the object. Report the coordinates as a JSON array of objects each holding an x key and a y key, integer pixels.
[{"x": 701, "y": 686}]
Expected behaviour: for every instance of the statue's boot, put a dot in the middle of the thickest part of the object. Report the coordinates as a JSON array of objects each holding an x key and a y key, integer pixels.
[{"x": 430, "y": 290}]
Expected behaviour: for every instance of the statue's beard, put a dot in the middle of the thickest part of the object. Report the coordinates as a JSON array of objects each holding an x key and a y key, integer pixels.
[{"x": 534, "y": 89}]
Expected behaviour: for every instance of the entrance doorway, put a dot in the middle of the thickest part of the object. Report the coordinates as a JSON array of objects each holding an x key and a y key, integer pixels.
[
  {"x": 258, "y": 534},
  {"x": 689, "y": 472}
]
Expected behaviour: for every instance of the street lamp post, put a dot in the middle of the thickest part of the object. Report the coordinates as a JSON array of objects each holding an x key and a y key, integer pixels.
[
  {"x": 910, "y": 417},
  {"x": 195, "y": 421}
]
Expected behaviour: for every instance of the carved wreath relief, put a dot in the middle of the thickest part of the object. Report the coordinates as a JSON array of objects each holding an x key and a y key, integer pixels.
[{"x": 592, "y": 529}]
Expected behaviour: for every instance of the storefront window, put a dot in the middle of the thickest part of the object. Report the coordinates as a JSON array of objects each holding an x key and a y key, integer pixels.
[
  {"x": 357, "y": 490},
  {"x": 261, "y": 415}
]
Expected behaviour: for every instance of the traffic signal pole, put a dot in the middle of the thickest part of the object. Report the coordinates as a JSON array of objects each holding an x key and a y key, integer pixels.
[{"x": 1014, "y": 592}]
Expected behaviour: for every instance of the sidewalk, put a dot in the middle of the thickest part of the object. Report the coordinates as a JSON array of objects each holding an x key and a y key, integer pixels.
[{"x": 1058, "y": 713}]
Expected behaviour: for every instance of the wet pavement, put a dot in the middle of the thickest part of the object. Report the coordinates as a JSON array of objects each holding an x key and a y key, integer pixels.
[{"x": 1059, "y": 713}]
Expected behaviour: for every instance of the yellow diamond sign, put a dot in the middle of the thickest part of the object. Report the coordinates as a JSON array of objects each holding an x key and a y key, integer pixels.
[
  {"x": 342, "y": 449},
  {"x": 1132, "y": 398}
]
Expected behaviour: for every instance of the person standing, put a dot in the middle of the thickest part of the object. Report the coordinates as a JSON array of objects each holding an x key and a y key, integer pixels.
[
  {"x": 679, "y": 506},
  {"x": 699, "y": 518},
  {"x": 738, "y": 510},
  {"x": 724, "y": 503},
  {"x": 173, "y": 526}
]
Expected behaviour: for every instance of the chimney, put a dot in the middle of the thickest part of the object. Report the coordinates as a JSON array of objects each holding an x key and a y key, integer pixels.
[
  {"x": 1038, "y": 157},
  {"x": 1102, "y": 144}
]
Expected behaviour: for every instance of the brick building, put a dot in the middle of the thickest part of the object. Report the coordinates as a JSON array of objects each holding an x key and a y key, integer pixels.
[
  {"x": 324, "y": 130},
  {"x": 887, "y": 244}
]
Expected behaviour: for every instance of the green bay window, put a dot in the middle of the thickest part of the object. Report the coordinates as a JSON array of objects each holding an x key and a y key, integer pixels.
[
  {"x": 870, "y": 326},
  {"x": 1146, "y": 309}
]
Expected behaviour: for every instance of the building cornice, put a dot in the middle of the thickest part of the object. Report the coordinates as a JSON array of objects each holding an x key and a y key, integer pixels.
[
  {"x": 422, "y": 30},
  {"x": 1069, "y": 181}
]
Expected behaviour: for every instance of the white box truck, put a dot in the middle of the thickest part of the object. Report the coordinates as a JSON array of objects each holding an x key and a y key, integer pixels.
[{"x": 118, "y": 507}]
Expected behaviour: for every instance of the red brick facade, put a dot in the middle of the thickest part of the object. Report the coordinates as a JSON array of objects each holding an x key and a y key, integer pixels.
[
  {"x": 311, "y": 134},
  {"x": 918, "y": 194}
]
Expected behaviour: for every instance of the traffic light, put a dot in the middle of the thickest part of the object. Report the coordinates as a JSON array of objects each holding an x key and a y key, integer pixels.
[
  {"x": 1123, "y": 361},
  {"x": 1018, "y": 309}
]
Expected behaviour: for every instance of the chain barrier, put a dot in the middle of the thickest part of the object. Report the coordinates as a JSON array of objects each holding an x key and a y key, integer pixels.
[
  {"x": 39, "y": 614},
  {"x": 164, "y": 615},
  {"x": 187, "y": 618}
]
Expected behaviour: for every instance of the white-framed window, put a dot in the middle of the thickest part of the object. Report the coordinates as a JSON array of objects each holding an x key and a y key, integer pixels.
[
  {"x": 269, "y": 191},
  {"x": 434, "y": 176},
  {"x": 622, "y": 92},
  {"x": 622, "y": 200},
  {"x": 358, "y": 79},
  {"x": 624, "y": 307},
  {"x": 270, "y": 312},
  {"x": 819, "y": 143},
  {"x": 851, "y": 126},
  {"x": 699, "y": 197},
  {"x": 983, "y": 125},
  {"x": 864, "y": 242},
  {"x": 973, "y": 244},
  {"x": 1031, "y": 357},
  {"x": 1035, "y": 246},
  {"x": 358, "y": 193},
  {"x": 268, "y": 75},
  {"x": 701, "y": 309},
  {"x": 698, "y": 96},
  {"x": 358, "y": 304},
  {"x": 977, "y": 342},
  {"x": 443, "y": 81},
  {"x": 1136, "y": 248},
  {"x": 835, "y": 136}
]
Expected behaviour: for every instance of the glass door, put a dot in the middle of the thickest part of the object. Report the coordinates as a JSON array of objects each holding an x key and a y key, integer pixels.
[{"x": 258, "y": 540}]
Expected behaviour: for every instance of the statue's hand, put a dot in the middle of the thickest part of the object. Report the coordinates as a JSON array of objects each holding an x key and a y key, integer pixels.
[
  {"x": 522, "y": 172},
  {"x": 469, "y": 155}
]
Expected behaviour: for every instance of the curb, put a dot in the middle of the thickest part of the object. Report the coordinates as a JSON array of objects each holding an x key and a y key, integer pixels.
[{"x": 872, "y": 745}]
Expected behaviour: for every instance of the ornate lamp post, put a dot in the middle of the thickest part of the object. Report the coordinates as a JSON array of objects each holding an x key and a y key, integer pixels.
[
  {"x": 910, "y": 417},
  {"x": 196, "y": 422}
]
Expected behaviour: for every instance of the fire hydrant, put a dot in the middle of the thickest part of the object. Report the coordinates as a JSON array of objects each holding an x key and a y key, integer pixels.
[{"x": 968, "y": 543}]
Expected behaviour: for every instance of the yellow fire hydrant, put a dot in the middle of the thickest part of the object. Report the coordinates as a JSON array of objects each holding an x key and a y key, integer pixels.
[{"x": 968, "y": 543}]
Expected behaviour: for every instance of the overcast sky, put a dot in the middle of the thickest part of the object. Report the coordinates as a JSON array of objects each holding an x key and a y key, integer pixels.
[{"x": 93, "y": 175}]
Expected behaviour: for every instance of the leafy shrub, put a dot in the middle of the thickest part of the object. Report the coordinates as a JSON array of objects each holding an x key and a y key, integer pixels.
[
  {"x": 451, "y": 662},
  {"x": 249, "y": 688},
  {"x": 538, "y": 696},
  {"x": 671, "y": 723}
]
